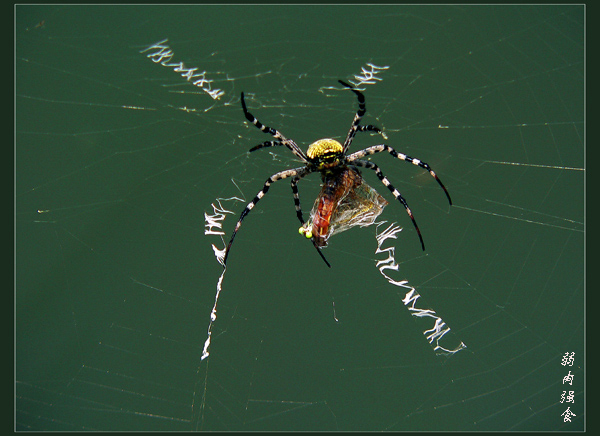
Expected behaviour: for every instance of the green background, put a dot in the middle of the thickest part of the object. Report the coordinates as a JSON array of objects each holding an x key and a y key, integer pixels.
[{"x": 118, "y": 158}]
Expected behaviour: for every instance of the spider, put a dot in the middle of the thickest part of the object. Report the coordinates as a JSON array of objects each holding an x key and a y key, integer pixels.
[{"x": 338, "y": 170}]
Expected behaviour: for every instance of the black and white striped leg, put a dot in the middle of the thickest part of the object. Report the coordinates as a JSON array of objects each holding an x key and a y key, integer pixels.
[
  {"x": 266, "y": 144},
  {"x": 355, "y": 129},
  {"x": 362, "y": 109},
  {"x": 258, "y": 124},
  {"x": 274, "y": 178},
  {"x": 275, "y": 133},
  {"x": 294, "y": 184},
  {"x": 368, "y": 128},
  {"x": 394, "y": 191},
  {"x": 379, "y": 148}
]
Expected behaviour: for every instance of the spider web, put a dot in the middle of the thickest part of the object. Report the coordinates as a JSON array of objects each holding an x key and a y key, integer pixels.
[{"x": 120, "y": 154}]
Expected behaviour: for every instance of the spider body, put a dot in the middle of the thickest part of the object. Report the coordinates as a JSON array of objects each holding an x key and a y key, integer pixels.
[
  {"x": 339, "y": 174},
  {"x": 325, "y": 151}
]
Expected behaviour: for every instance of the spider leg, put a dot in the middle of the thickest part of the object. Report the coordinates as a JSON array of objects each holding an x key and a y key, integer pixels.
[
  {"x": 362, "y": 109},
  {"x": 266, "y": 144},
  {"x": 294, "y": 184},
  {"x": 320, "y": 252},
  {"x": 379, "y": 148},
  {"x": 274, "y": 178},
  {"x": 394, "y": 191},
  {"x": 275, "y": 133}
]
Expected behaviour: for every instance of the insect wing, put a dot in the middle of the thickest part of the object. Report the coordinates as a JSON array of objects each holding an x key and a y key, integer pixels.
[{"x": 358, "y": 205}]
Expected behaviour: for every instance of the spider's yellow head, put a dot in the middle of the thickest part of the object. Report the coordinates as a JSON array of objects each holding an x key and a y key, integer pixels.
[{"x": 324, "y": 148}]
